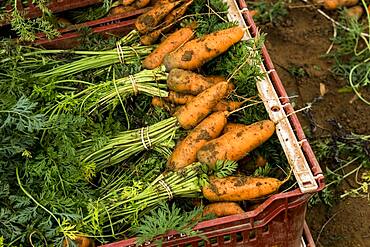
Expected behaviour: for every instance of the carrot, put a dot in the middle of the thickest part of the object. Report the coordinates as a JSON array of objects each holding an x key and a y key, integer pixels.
[
  {"x": 224, "y": 105},
  {"x": 149, "y": 20},
  {"x": 151, "y": 38},
  {"x": 177, "y": 13},
  {"x": 254, "y": 12},
  {"x": 127, "y": 2},
  {"x": 334, "y": 4},
  {"x": 235, "y": 144},
  {"x": 218, "y": 78},
  {"x": 173, "y": 41},
  {"x": 187, "y": 82},
  {"x": 158, "y": 102},
  {"x": 239, "y": 188},
  {"x": 215, "y": 78},
  {"x": 199, "y": 51},
  {"x": 221, "y": 209},
  {"x": 80, "y": 241},
  {"x": 233, "y": 126},
  {"x": 185, "y": 152},
  {"x": 178, "y": 98},
  {"x": 167, "y": 24},
  {"x": 121, "y": 9},
  {"x": 141, "y": 3},
  {"x": 195, "y": 111},
  {"x": 355, "y": 12}
]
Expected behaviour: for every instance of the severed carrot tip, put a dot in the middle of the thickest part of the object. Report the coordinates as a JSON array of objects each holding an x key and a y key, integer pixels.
[{"x": 253, "y": 12}]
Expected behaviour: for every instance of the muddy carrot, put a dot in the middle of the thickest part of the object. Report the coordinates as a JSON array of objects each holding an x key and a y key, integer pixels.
[
  {"x": 185, "y": 151},
  {"x": 234, "y": 145},
  {"x": 195, "y": 111},
  {"x": 149, "y": 20},
  {"x": 187, "y": 82},
  {"x": 172, "y": 42},
  {"x": 239, "y": 188},
  {"x": 224, "y": 105},
  {"x": 221, "y": 209},
  {"x": 196, "y": 52}
]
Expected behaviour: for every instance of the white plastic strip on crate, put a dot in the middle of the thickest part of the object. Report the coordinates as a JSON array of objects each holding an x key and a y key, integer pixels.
[{"x": 284, "y": 130}]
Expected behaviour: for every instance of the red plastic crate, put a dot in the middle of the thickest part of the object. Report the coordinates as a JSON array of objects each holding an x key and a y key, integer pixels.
[
  {"x": 32, "y": 11},
  {"x": 279, "y": 221},
  {"x": 112, "y": 25}
]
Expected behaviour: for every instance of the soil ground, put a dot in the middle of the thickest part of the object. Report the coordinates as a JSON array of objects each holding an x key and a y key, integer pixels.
[{"x": 300, "y": 41}]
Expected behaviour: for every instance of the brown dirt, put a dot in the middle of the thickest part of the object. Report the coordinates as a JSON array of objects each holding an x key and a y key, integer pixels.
[{"x": 300, "y": 41}]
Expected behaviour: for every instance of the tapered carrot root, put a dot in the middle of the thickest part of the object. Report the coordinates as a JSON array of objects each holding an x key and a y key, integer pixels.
[
  {"x": 215, "y": 78},
  {"x": 141, "y": 3},
  {"x": 121, "y": 10},
  {"x": 187, "y": 82},
  {"x": 355, "y": 12},
  {"x": 80, "y": 242},
  {"x": 224, "y": 105},
  {"x": 185, "y": 152},
  {"x": 159, "y": 102},
  {"x": 127, "y": 2},
  {"x": 172, "y": 42},
  {"x": 149, "y": 20},
  {"x": 195, "y": 111},
  {"x": 168, "y": 22},
  {"x": 334, "y": 4},
  {"x": 177, "y": 13},
  {"x": 199, "y": 51},
  {"x": 179, "y": 98},
  {"x": 218, "y": 78},
  {"x": 234, "y": 145},
  {"x": 239, "y": 188},
  {"x": 221, "y": 209}
]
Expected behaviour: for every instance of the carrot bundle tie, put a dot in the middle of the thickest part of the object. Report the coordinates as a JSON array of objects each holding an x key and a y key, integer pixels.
[
  {"x": 270, "y": 71},
  {"x": 134, "y": 84},
  {"x": 120, "y": 52},
  {"x": 167, "y": 188},
  {"x": 147, "y": 137}
]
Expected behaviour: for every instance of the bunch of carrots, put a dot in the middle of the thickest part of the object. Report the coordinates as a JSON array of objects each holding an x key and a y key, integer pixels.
[
  {"x": 198, "y": 104},
  {"x": 202, "y": 109}
]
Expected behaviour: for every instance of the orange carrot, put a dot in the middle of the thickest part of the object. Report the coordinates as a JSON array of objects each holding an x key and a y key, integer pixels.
[
  {"x": 215, "y": 78},
  {"x": 334, "y": 4},
  {"x": 141, "y": 3},
  {"x": 355, "y": 12},
  {"x": 127, "y": 2},
  {"x": 239, "y": 188},
  {"x": 187, "y": 82},
  {"x": 233, "y": 126},
  {"x": 121, "y": 9},
  {"x": 178, "y": 98},
  {"x": 224, "y": 105},
  {"x": 196, "y": 52},
  {"x": 80, "y": 241},
  {"x": 221, "y": 209},
  {"x": 166, "y": 25},
  {"x": 234, "y": 145},
  {"x": 172, "y": 42},
  {"x": 185, "y": 152},
  {"x": 195, "y": 111},
  {"x": 149, "y": 20},
  {"x": 177, "y": 13}
]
